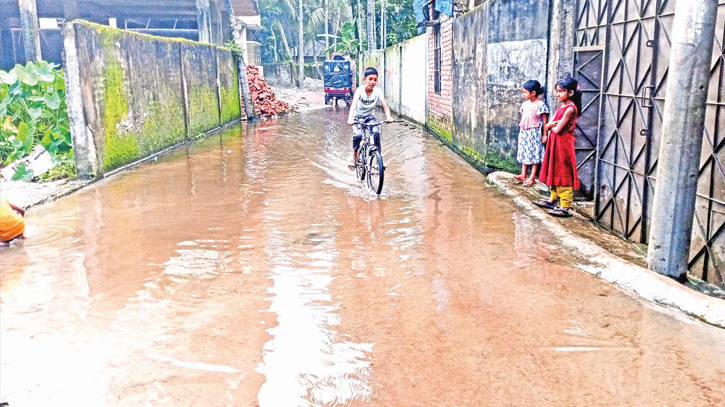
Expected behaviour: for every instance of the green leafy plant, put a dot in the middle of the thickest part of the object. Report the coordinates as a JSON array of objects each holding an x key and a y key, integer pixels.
[
  {"x": 234, "y": 48},
  {"x": 33, "y": 112},
  {"x": 347, "y": 44},
  {"x": 64, "y": 168}
]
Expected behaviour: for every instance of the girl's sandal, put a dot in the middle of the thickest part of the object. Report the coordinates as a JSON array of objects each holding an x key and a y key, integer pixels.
[
  {"x": 529, "y": 183},
  {"x": 545, "y": 203},
  {"x": 560, "y": 213}
]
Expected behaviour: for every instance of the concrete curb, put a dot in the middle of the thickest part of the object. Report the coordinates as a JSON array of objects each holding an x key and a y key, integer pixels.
[{"x": 637, "y": 280}]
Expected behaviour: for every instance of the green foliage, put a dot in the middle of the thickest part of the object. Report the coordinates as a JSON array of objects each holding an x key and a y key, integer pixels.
[
  {"x": 399, "y": 19},
  {"x": 346, "y": 44},
  {"x": 33, "y": 112},
  {"x": 64, "y": 168},
  {"x": 234, "y": 48}
]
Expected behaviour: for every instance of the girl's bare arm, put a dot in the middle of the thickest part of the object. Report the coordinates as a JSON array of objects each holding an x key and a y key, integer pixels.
[
  {"x": 563, "y": 122},
  {"x": 18, "y": 209},
  {"x": 544, "y": 133}
]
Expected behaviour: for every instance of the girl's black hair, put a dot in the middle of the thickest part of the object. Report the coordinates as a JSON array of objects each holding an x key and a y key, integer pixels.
[
  {"x": 535, "y": 86},
  {"x": 370, "y": 71},
  {"x": 570, "y": 83}
]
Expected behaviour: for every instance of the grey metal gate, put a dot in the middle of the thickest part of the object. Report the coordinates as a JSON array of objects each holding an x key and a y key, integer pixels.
[
  {"x": 627, "y": 42},
  {"x": 707, "y": 254}
]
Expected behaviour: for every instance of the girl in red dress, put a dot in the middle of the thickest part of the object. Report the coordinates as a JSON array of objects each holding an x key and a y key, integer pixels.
[{"x": 558, "y": 170}]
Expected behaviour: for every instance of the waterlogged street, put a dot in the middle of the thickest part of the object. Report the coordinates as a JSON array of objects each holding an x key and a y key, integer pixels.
[{"x": 250, "y": 268}]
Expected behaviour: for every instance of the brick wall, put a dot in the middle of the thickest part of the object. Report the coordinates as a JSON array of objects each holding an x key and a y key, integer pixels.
[{"x": 440, "y": 111}]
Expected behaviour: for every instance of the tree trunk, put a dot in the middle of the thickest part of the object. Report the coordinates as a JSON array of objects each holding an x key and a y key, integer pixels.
[
  {"x": 302, "y": 50},
  {"x": 287, "y": 49},
  {"x": 276, "y": 51},
  {"x": 360, "y": 24},
  {"x": 371, "y": 25},
  {"x": 327, "y": 25},
  {"x": 284, "y": 39},
  {"x": 241, "y": 68},
  {"x": 383, "y": 34}
]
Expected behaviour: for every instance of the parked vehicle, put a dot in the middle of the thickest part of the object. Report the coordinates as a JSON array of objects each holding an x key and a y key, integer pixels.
[{"x": 339, "y": 79}]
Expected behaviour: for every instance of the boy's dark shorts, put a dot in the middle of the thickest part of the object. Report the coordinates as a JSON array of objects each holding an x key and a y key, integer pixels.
[
  {"x": 357, "y": 134},
  {"x": 357, "y": 139}
]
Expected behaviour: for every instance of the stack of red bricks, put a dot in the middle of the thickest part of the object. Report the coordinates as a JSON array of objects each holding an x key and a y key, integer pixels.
[{"x": 265, "y": 102}]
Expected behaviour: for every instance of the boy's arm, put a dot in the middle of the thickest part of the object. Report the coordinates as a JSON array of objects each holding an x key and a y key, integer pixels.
[
  {"x": 387, "y": 110},
  {"x": 353, "y": 108}
]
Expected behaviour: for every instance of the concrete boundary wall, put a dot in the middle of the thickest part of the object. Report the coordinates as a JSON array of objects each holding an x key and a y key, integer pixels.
[
  {"x": 403, "y": 70},
  {"x": 496, "y": 49},
  {"x": 131, "y": 95}
]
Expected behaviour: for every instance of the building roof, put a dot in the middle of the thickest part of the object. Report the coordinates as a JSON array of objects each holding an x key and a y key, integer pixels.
[{"x": 92, "y": 9}]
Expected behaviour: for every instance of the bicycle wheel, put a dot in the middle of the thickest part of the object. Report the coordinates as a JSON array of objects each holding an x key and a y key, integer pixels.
[
  {"x": 360, "y": 163},
  {"x": 376, "y": 173}
]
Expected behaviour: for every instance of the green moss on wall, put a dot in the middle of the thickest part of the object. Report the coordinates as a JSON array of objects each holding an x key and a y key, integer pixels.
[
  {"x": 203, "y": 110},
  {"x": 136, "y": 125},
  {"x": 502, "y": 162},
  {"x": 473, "y": 154},
  {"x": 119, "y": 147},
  {"x": 439, "y": 129},
  {"x": 163, "y": 126},
  {"x": 231, "y": 109}
]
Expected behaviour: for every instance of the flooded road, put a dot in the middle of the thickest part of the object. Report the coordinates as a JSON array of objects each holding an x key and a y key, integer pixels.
[{"x": 250, "y": 268}]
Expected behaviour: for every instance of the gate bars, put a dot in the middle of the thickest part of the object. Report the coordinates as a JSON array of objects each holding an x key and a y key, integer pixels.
[{"x": 621, "y": 61}]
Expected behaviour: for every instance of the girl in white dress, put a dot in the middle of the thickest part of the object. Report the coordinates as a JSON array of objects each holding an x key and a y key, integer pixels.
[{"x": 532, "y": 138}]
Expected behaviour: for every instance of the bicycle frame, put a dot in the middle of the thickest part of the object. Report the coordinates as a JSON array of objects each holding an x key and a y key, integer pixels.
[{"x": 369, "y": 162}]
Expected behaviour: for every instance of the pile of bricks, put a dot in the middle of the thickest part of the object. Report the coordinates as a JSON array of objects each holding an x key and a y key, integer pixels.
[{"x": 265, "y": 102}]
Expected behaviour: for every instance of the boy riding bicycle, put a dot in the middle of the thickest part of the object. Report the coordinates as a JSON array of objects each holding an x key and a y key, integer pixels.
[{"x": 362, "y": 109}]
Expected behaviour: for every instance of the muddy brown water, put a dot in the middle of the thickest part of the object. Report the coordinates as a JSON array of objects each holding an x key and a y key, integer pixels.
[{"x": 251, "y": 268}]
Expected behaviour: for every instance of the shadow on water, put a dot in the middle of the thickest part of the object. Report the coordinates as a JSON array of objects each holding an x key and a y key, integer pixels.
[{"x": 252, "y": 268}]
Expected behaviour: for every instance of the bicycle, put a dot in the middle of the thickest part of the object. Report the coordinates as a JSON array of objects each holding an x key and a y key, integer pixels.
[{"x": 369, "y": 162}]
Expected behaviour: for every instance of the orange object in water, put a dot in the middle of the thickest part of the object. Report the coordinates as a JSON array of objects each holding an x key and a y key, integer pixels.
[{"x": 12, "y": 223}]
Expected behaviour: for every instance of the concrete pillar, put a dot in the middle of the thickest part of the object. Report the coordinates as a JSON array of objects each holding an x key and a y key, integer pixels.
[
  {"x": 692, "y": 34},
  {"x": 31, "y": 31},
  {"x": 562, "y": 39},
  {"x": 84, "y": 150},
  {"x": 249, "y": 109},
  {"x": 216, "y": 24},
  {"x": 203, "y": 18},
  {"x": 301, "y": 46}
]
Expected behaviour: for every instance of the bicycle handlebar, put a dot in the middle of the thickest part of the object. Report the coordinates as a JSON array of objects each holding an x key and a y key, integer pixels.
[{"x": 375, "y": 123}]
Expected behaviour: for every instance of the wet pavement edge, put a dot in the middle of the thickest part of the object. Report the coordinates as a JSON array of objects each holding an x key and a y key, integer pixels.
[{"x": 632, "y": 278}]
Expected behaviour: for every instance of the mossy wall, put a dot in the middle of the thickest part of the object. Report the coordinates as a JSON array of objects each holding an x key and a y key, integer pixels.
[
  {"x": 228, "y": 87},
  {"x": 199, "y": 61},
  {"x": 489, "y": 67},
  {"x": 142, "y": 93}
]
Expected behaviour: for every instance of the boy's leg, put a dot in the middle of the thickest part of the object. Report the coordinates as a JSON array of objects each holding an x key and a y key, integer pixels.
[
  {"x": 566, "y": 194},
  {"x": 356, "y": 139}
]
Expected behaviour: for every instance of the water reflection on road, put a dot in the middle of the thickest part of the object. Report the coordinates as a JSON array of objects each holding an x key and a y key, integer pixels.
[{"x": 251, "y": 268}]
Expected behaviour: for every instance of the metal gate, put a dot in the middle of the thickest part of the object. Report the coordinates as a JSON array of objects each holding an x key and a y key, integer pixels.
[{"x": 627, "y": 44}]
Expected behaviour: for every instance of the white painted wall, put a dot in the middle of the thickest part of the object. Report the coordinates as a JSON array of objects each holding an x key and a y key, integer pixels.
[
  {"x": 415, "y": 69},
  {"x": 402, "y": 72}
]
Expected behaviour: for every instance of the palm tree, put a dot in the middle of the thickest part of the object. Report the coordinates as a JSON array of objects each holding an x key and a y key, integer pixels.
[{"x": 371, "y": 25}]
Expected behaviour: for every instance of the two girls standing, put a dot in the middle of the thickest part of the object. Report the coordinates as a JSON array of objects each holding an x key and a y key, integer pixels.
[{"x": 558, "y": 164}]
